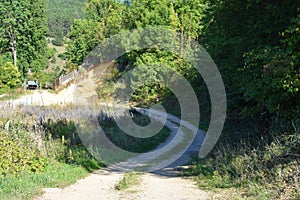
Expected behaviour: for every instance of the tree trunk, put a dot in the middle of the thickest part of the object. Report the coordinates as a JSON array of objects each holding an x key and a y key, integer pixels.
[{"x": 14, "y": 52}]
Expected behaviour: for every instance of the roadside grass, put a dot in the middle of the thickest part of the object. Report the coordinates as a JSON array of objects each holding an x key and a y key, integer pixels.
[
  {"x": 129, "y": 180},
  {"x": 27, "y": 186},
  {"x": 14, "y": 94},
  {"x": 62, "y": 158},
  {"x": 270, "y": 170}
]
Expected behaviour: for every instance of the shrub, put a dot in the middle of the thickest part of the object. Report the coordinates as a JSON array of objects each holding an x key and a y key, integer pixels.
[
  {"x": 9, "y": 76},
  {"x": 18, "y": 156}
]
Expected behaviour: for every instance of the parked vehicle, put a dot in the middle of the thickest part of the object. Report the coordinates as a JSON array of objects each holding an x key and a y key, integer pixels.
[{"x": 32, "y": 85}]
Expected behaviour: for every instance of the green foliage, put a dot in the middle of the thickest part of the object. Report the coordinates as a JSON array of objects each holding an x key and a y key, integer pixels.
[
  {"x": 111, "y": 17},
  {"x": 153, "y": 72},
  {"x": 255, "y": 46},
  {"x": 31, "y": 159},
  {"x": 50, "y": 52},
  {"x": 58, "y": 38},
  {"x": 272, "y": 81},
  {"x": 69, "y": 148},
  {"x": 27, "y": 186},
  {"x": 109, "y": 13},
  {"x": 145, "y": 13},
  {"x": 61, "y": 15},
  {"x": 9, "y": 77},
  {"x": 85, "y": 35},
  {"x": 17, "y": 156},
  {"x": 27, "y": 143}
]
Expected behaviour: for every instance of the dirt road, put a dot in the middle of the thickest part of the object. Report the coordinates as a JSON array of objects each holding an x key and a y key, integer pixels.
[
  {"x": 79, "y": 93},
  {"x": 100, "y": 186},
  {"x": 164, "y": 184}
]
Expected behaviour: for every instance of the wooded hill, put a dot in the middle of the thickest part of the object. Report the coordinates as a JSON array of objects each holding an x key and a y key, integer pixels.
[{"x": 61, "y": 15}]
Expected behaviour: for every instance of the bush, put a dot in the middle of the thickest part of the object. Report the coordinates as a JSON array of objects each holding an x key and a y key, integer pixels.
[
  {"x": 50, "y": 52},
  {"x": 26, "y": 143},
  {"x": 9, "y": 76},
  {"x": 17, "y": 155}
]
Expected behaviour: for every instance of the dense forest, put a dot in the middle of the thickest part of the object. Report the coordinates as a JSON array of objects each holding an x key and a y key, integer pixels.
[
  {"x": 255, "y": 44},
  {"x": 60, "y": 17},
  {"x": 22, "y": 38}
]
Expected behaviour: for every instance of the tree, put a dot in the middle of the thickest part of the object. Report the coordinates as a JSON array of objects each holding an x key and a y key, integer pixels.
[
  {"x": 61, "y": 15},
  {"x": 84, "y": 36},
  {"x": 110, "y": 13},
  {"x": 149, "y": 13},
  {"x": 23, "y": 33},
  {"x": 255, "y": 46}
]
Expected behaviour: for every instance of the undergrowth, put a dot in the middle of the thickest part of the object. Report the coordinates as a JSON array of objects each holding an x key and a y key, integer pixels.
[
  {"x": 40, "y": 147},
  {"x": 270, "y": 170}
]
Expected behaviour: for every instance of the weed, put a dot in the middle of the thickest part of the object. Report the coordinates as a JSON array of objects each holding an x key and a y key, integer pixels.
[{"x": 129, "y": 180}]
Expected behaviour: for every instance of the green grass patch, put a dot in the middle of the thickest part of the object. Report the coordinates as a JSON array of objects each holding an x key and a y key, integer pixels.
[
  {"x": 29, "y": 185},
  {"x": 129, "y": 180}
]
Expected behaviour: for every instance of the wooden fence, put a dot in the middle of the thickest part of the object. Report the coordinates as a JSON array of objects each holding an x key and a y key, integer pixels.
[{"x": 65, "y": 79}]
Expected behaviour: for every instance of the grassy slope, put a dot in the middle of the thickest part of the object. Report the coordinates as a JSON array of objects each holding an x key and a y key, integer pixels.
[{"x": 58, "y": 61}]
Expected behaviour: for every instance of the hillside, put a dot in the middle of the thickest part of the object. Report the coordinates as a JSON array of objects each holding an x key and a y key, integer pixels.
[{"x": 61, "y": 14}]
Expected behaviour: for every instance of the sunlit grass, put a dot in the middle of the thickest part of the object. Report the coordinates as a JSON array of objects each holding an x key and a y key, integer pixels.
[{"x": 29, "y": 185}]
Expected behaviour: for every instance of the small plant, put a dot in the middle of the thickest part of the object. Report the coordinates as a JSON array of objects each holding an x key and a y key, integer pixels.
[{"x": 129, "y": 180}]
